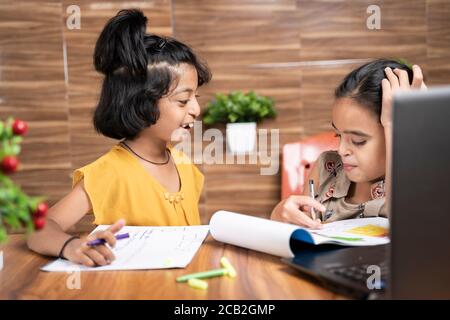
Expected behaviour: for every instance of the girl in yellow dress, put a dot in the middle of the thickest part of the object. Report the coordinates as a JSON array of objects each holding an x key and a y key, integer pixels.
[{"x": 148, "y": 99}]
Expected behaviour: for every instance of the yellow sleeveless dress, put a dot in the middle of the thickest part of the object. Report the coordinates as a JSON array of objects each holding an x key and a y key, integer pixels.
[{"x": 119, "y": 186}]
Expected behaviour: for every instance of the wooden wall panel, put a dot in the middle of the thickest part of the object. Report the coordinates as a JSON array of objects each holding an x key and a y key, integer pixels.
[
  {"x": 438, "y": 42},
  {"x": 336, "y": 29},
  {"x": 295, "y": 51},
  {"x": 335, "y": 39},
  {"x": 32, "y": 88}
]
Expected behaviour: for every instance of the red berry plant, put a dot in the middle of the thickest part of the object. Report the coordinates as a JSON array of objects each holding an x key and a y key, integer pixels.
[{"x": 17, "y": 210}]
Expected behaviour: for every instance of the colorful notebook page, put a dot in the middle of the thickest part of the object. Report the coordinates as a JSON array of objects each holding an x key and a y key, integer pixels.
[{"x": 369, "y": 230}]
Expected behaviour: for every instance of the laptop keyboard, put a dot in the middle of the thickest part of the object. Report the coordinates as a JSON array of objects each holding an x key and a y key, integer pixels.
[{"x": 360, "y": 273}]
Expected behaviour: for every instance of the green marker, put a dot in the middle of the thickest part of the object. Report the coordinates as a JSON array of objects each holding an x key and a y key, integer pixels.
[
  {"x": 203, "y": 275},
  {"x": 347, "y": 239}
]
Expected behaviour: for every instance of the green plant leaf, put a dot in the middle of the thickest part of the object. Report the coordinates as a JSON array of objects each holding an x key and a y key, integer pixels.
[
  {"x": 3, "y": 234},
  {"x": 233, "y": 117},
  {"x": 238, "y": 107},
  {"x": 12, "y": 220},
  {"x": 15, "y": 149},
  {"x": 17, "y": 139},
  {"x": 8, "y": 128},
  {"x": 16, "y": 206}
]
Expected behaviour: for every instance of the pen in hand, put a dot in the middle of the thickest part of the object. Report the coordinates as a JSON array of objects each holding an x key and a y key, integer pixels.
[
  {"x": 311, "y": 192},
  {"x": 97, "y": 242}
]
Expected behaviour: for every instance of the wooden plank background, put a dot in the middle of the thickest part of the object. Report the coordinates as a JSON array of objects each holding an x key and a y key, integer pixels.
[{"x": 293, "y": 51}]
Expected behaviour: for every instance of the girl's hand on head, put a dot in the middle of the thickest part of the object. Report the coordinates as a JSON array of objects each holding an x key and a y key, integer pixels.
[
  {"x": 78, "y": 251},
  {"x": 296, "y": 210},
  {"x": 397, "y": 80}
]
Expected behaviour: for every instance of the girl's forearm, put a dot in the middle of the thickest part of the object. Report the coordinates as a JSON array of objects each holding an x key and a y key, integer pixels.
[{"x": 49, "y": 240}]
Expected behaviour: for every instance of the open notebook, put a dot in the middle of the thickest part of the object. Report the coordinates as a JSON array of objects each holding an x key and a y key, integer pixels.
[
  {"x": 278, "y": 238},
  {"x": 146, "y": 248}
]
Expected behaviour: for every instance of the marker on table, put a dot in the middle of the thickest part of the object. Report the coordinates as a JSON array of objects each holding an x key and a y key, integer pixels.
[
  {"x": 226, "y": 270},
  {"x": 203, "y": 275},
  {"x": 311, "y": 193},
  {"x": 97, "y": 242},
  {"x": 227, "y": 265},
  {"x": 198, "y": 284}
]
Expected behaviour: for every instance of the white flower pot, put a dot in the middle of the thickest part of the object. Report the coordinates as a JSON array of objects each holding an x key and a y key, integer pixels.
[
  {"x": 1, "y": 260},
  {"x": 241, "y": 137}
]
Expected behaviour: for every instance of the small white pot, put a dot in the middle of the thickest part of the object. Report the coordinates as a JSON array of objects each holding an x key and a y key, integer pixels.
[
  {"x": 1, "y": 260},
  {"x": 241, "y": 137}
]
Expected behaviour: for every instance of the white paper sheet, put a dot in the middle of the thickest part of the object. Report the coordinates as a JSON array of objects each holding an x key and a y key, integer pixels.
[
  {"x": 147, "y": 248},
  {"x": 253, "y": 233}
]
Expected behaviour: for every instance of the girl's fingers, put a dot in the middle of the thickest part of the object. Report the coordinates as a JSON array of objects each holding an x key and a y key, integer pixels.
[
  {"x": 307, "y": 201},
  {"x": 107, "y": 236},
  {"x": 403, "y": 78},
  {"x": 117, "y": 226},
  {"x": 393, "y": 80},
  {"x": 307, "y": 210},
  {"x": 423, "y": 86},
  {"x": 318, "y": 208},
  {"x": 95, "y": 256},
  {"x": 85, "y": 260},
  {"x": 309, "y": 222},
  {"x": 301, "y": 219},
  {"x": 417, "y": 82},
  {"x": 386, "y": 86},
  {"x": 387, "y": 90},
  {"x": 105, "y": 252}
]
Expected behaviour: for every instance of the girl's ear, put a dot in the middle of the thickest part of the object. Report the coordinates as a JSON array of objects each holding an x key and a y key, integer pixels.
[{"x": 121, "y": 44}]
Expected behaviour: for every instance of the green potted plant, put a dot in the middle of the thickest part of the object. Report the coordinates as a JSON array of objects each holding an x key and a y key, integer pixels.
[
  {"x": 240, "y": 112},
  {"x": 17, "y": 210}
]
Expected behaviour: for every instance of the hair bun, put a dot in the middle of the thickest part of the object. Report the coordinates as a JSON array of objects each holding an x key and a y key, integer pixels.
[{"x": 121, "y": 44}]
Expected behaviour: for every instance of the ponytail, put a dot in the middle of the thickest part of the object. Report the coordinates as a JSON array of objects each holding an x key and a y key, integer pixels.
[{"x": 121, "y": 44}]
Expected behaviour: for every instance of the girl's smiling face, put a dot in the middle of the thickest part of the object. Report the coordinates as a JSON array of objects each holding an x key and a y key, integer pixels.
[
  {"x": 179, "y": 108},
  {"x": 362, "y": 141}
]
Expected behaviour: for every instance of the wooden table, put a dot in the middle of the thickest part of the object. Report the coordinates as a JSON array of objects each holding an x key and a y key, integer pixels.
[{"x": 260, "y": 276}]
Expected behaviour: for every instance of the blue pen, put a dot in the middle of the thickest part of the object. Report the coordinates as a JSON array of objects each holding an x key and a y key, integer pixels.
[{"x": 97, "y": 242}]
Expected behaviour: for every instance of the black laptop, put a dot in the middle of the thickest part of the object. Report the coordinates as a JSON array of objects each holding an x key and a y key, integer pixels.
[{"x": 416, "y": 264}]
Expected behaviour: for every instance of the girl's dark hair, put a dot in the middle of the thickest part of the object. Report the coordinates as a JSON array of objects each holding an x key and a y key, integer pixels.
[
  {"x": 138, "y": 69},
  {"x": 364, "y": 83}
]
